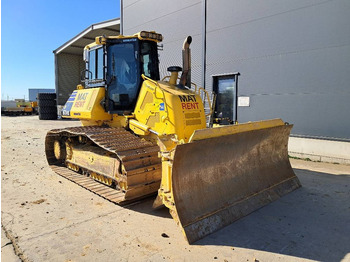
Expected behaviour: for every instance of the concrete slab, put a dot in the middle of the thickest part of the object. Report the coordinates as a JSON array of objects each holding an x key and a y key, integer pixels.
[
  {"x": 7, "y": 249},
  {"x": 53, "y": 219},
  {"x": 320, "y": 150}
]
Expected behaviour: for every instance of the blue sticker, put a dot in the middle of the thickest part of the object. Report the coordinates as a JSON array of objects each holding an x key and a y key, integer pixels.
[
  {"x": 161, "y": 107},
  {"x": 68, "y": 106},
  {"x": 66, "y": 109},
  {"x": 72, "y": 96}
]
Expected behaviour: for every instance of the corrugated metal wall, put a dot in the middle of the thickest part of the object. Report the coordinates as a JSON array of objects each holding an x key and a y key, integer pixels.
[
  {"x": 293, "y": 56},
  {"x": 175, "y": 20},
  {"x": 68, "y": 69},
  {"x": 294, "y": 60}
]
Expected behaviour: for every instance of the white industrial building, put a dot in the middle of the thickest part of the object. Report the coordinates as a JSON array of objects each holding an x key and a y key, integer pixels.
[{"x": 293, "y": 59}]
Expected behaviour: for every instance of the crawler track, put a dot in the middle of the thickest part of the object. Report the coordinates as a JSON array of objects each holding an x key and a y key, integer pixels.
[{"x": 139, "y": 165}]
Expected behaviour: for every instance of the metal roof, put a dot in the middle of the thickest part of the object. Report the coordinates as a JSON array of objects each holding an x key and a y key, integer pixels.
[{"x": 87, "y": 36}]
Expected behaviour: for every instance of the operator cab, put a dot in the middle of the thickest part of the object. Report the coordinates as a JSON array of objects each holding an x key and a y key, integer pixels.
[{"x": 117, "y": 65}]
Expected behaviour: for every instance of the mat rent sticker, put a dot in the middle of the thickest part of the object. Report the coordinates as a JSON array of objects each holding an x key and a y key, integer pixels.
[{"x": 188, "y": 102}]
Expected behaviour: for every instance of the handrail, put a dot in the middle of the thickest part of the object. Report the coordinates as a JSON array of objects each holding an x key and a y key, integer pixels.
[
  {"x": 197, "y": 91},
  {"x": 195, "y": 86},
  {"x": 208, "y": 98},
  {"x": 165, "y": 77}
]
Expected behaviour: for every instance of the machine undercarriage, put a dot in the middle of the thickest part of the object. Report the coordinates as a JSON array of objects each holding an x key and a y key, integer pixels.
[{"x": 112, "y": 156}]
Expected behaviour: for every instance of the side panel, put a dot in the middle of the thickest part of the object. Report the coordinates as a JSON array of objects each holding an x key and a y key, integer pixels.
[
  {"x": 85, "y": 104},
  {"x": 167, "y": 109}
]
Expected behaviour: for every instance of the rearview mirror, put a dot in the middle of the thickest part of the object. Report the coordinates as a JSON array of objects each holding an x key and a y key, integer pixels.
[{"x": 86, "y": 55}]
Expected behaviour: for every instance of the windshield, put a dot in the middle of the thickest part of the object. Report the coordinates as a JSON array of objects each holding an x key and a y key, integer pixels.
[{"x": 122, "y": 75}]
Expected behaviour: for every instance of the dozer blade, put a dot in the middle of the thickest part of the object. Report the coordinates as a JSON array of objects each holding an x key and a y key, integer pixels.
[{"x": 226, "y": 173}]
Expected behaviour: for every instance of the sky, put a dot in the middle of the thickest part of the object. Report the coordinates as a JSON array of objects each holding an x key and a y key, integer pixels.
[{"x": 32, "y": 29}]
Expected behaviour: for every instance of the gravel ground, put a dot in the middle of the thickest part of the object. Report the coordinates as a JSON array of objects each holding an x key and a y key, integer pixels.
[{"x": 48, "y": 218}]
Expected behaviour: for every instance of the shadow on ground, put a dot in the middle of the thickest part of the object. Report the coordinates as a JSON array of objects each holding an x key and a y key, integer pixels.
[
  {"x": 145, "y": 206},
  {"x": 312, "y": 222}
]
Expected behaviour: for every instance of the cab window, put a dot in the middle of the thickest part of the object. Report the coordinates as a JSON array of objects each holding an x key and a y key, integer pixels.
[{"x": 95, "y": 66}]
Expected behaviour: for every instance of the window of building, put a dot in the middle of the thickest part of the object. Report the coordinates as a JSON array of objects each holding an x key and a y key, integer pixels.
[{"x": 225, "y": 87}]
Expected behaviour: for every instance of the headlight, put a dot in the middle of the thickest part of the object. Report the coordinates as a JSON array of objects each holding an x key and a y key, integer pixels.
[{"x": 151, "y": 35}]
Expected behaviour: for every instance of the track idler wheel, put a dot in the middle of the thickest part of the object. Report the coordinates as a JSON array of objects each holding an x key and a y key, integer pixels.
[{"x": 59, "y": 150}]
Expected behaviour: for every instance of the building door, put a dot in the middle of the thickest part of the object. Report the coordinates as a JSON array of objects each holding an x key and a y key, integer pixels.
[{"x": 226, "y": 89}]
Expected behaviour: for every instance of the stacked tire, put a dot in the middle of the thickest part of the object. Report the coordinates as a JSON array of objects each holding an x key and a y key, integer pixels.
[{"x": 47, "y": 106}]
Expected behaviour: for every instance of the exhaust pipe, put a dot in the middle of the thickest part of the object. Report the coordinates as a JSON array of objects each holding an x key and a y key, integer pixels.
[{"x": 186, "y": 62}]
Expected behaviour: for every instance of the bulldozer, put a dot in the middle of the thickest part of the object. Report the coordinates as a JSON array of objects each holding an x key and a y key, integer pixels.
[{"x": 142, "y": 136}]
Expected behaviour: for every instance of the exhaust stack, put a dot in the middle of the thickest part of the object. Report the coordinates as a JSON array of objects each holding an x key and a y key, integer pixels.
[{"x": 186, "y": 62}]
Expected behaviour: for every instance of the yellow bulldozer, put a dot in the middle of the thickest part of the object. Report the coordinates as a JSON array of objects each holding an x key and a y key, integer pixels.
[{"x": 142, "y": 136}]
